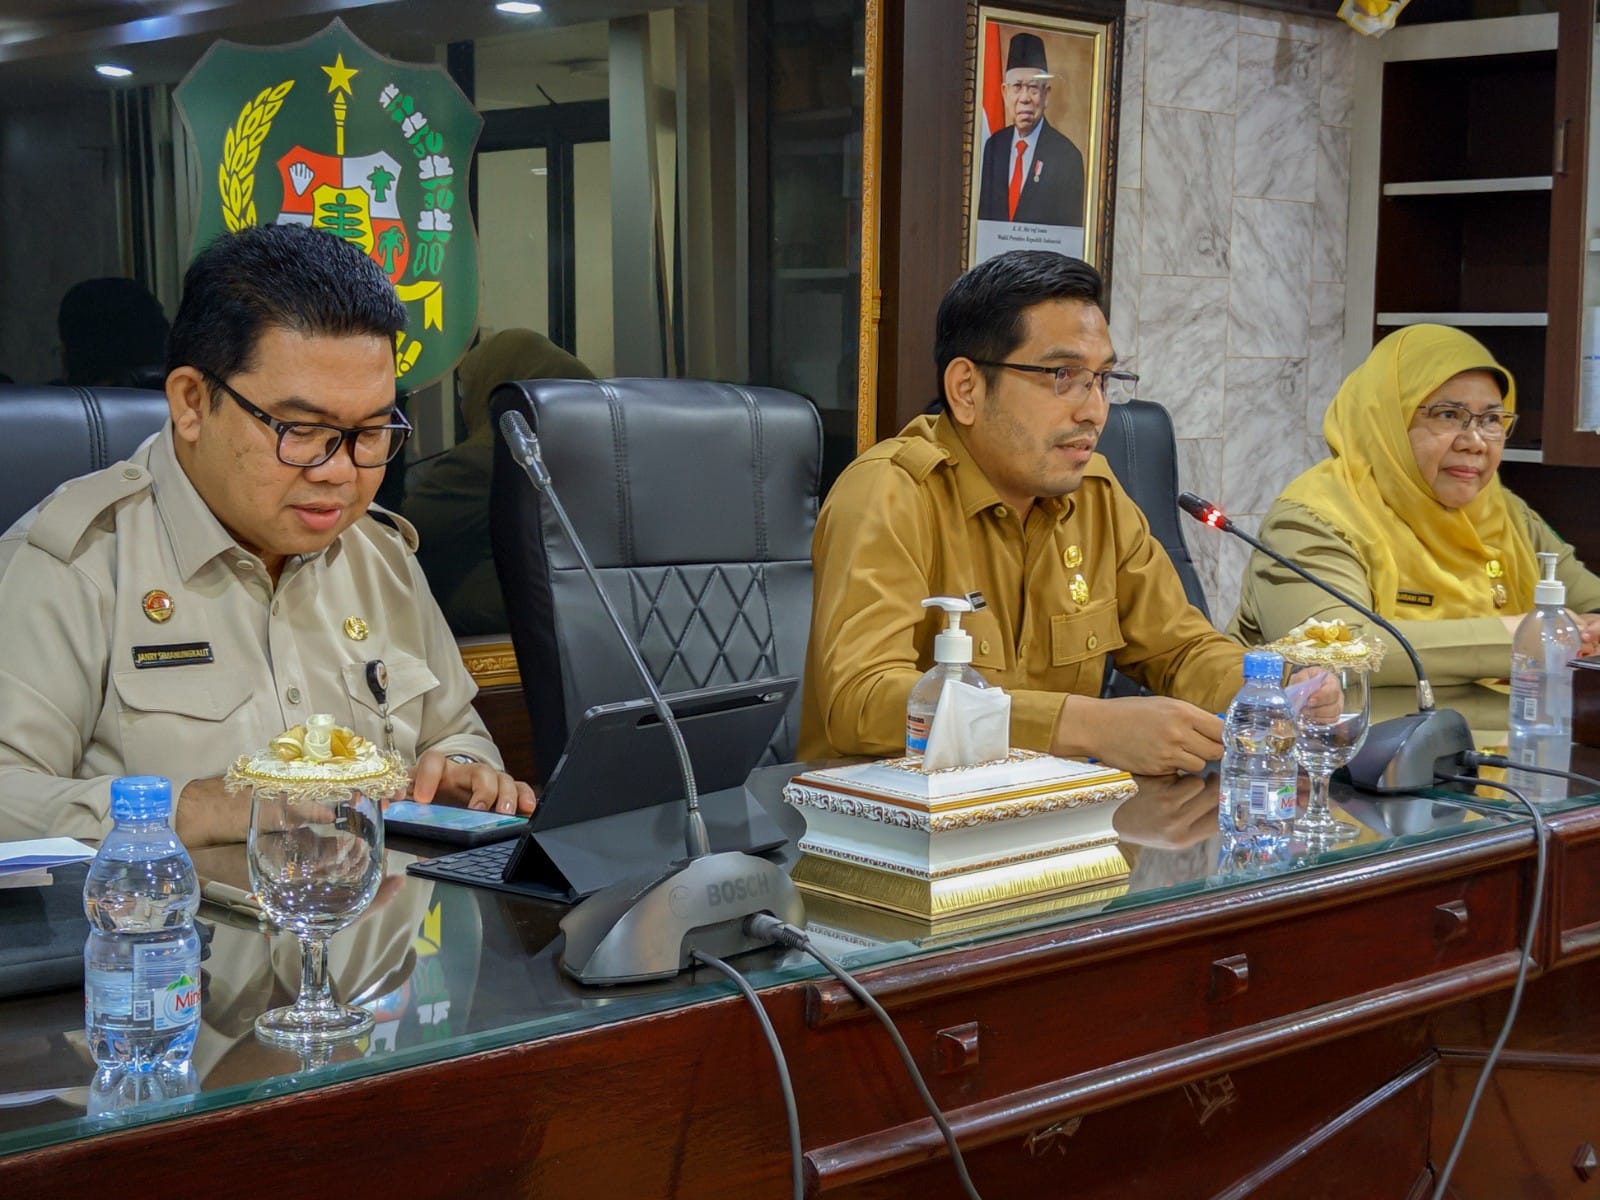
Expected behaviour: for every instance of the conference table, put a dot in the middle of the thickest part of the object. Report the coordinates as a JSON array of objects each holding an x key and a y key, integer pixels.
[{"x": 1313, "y": 1030}]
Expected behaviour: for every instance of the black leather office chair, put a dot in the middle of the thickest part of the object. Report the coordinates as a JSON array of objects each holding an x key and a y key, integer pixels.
[
  {"x": 53, "y": 434},
  {"x": 696, "y": 502},
  {"x": 1139, "y": 443}
]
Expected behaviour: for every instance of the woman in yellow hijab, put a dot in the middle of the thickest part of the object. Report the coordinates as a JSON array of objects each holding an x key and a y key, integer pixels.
[{"x": 1409, "y": 516}]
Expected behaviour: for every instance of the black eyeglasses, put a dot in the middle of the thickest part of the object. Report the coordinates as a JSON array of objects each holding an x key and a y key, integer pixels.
[
  {"x": 1074, "y": 383},
  {"x": 310, "y": 444}
]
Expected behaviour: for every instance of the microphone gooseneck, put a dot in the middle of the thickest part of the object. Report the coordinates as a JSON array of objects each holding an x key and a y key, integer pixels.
[
  {"x": 524, "y": 446},
  {"x": 1209, "y": 514}
]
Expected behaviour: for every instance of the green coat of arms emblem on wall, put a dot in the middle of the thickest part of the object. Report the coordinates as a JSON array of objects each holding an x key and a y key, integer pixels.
[{"x": 329, "y": 133}]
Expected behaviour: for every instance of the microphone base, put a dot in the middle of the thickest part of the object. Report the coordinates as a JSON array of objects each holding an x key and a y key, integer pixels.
[
  {"x": 646, "y": 927},
  {"x": 1407, "y": 753}
]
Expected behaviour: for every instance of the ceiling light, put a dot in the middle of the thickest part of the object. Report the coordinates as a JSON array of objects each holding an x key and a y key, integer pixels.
[
  {"x": 518, "y": 8},
  {"x": 112, "y": 71}
]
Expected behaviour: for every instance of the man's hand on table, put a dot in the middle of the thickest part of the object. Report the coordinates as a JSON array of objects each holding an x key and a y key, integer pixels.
[
  {"x": 469, "y": 785},
  {"x": 1145, "y": 735}
]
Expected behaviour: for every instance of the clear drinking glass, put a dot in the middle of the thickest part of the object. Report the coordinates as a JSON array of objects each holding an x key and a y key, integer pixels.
[
  {"x": 1331, "y": 718},
  {"x": 315, "y": 864}
]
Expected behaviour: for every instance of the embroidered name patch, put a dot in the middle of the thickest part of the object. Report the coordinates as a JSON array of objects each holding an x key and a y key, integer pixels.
[
  {"x": 180, "y": 654},
  {"x": 1425, "y": 599}
]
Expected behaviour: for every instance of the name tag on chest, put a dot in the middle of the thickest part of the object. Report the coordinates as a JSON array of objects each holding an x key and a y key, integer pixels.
[
  {"x": 1422, "y": 599},
  {"x": 179, "y": 654}
]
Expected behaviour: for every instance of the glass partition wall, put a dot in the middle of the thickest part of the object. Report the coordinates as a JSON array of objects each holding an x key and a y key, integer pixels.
[{"x": 661, "y": 190}]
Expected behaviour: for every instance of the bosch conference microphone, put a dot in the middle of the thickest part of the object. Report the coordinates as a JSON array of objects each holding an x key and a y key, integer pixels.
[
  {"x": 1400, "y": 755},
  {"x": 648, "y": 927}
]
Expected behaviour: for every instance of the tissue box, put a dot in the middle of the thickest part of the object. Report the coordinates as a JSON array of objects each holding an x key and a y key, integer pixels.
[{"x": 959, "y": 841}]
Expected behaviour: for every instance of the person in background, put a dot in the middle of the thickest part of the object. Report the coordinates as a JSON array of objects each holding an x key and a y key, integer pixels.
[
  {"x": 113, "y": 334},
  {"x": 179, "y": 609},
  {"x": 448, "y": 496},
  {"x": 1003, "y": 493},
  {"x": 1408, "y": 516}
]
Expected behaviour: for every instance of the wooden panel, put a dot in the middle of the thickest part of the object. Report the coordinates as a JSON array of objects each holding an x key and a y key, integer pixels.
[
  {"x": 923, "y": 182},
  {"x": 1467, "y": 118},
  {"x": 1536, "y": 1117},
  {"x": 1569, "y": 236},
  {"x": 1261, "y": 1127},
  {"x": 1563, "y": 496}
]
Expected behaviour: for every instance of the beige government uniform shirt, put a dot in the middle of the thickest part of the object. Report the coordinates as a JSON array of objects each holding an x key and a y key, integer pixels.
[
  {"x": 914, "y": 517},
  {"x": 1467, "y": 658},
  {"x": 84, "y": 696}
]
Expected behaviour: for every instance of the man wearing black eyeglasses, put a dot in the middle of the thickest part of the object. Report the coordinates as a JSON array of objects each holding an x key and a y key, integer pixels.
[
  {"x": 1002, "y": 493},
  {"x": 180, "y": 609}
]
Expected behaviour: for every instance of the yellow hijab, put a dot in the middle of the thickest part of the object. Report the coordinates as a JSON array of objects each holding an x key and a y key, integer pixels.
[{"x": 1372, "y": 491}]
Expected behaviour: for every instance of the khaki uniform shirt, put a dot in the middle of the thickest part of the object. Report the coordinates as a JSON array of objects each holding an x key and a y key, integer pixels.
[
  {"x": 915, "y": 517},
  {"x": 84, "y": 696},
  {"x": 1466, "y": 657}
]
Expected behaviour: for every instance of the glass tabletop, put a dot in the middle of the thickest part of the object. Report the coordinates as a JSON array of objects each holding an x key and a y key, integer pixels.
[{"x": 449, "y": 971}]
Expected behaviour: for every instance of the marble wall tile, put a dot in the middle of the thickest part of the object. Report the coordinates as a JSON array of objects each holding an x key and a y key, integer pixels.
[
  {"x": 1325, "y": 364},
  {"x": 1125, "y": 277},
  {"x": 1130, "y": 118},
  {"x": 1191, "y": 54},
  {"x": 1199, "y": 471},
  {"x": 1188, "y": 190},
  {"x": 1183, "y": 338},
  {"x": 1268, "y": 305},
  {"x": 1275, "y": 137},
  {"x": 1333, "y": 205},
  {"x": 1233, "y": 556},
  {"x": 1264, "y": 418},
  {"x": 1338, "y": 56},
  {"x": 1268, "y": 23}
]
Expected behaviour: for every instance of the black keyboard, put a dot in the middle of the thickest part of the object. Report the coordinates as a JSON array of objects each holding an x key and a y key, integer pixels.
[{"x": 482, "y": 866}]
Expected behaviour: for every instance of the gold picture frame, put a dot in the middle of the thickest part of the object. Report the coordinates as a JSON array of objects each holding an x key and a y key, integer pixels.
[{"x": 1042, "y": 126}]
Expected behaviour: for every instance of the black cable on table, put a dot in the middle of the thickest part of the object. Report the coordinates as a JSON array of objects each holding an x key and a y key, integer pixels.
[
  {"x": 790, "y": 1109},
  {"x": 1542, "y": 836}
]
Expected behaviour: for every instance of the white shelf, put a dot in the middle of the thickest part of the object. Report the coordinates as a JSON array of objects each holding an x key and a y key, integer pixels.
[
  {"x": 1594, "y": 245},
  {"x": 1470, "y": 187},
  {"x": 1522, "y": 456},
  {"x": 1479, "y": 319}
]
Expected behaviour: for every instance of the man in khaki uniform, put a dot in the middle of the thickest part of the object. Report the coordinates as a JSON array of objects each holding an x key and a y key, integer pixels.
[
  {"x": 175, "y": 611},
  {"x": 1002, "y": 493}
]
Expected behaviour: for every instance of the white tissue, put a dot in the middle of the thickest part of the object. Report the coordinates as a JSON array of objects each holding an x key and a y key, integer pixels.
[{"x": 970, "y": 726}]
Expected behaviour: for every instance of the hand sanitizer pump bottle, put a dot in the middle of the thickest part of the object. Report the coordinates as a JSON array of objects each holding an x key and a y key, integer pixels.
[
  {"x": 952, "y": 659},
  {"x": 1544, "y": 645}
]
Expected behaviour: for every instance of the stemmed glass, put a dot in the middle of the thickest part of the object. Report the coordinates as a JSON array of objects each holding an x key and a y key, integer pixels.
[
  {"x": 316, "y": 861},
  {"x": 1331, "y": 717}
]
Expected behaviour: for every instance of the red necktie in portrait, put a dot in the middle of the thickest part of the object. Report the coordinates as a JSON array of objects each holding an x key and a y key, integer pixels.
[{"x": 1016, "y": 177}]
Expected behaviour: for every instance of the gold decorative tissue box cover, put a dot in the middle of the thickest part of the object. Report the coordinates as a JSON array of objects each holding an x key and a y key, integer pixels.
[
  {"x": 960, "y": 841},
  {"x": 321, "y": 760}
]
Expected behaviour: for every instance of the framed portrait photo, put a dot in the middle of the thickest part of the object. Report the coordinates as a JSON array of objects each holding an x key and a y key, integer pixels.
[{"x": 1043, "y": 129}]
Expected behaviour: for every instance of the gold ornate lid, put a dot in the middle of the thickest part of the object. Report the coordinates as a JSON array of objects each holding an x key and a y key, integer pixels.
[
  {"x": 321, "y": 754},
  {"x": 1328, "y": 644}
]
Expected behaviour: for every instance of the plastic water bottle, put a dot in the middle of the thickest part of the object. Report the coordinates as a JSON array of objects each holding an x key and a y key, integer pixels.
[
  {"x": 1542, "y": 650},
  {"x": 1258, "y": 768},
  {"x": 952, "y": 659},
  {"x": 142, "y": 960}
]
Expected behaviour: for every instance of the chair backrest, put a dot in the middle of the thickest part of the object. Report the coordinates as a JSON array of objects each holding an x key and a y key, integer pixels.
[
  {"x": 696, "y": 501},
  {"x": 53, "y": 434},
  {"x": 1139, "y": 444}
]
